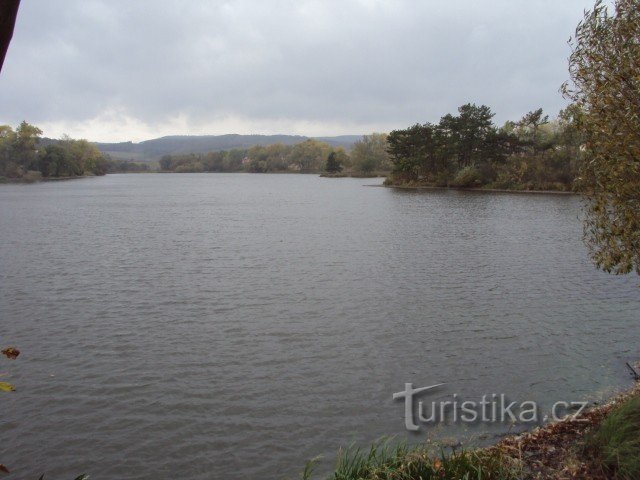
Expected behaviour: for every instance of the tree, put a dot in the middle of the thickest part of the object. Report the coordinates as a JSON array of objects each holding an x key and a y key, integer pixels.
[
  {"x": 166, "y": 162},
  {"x": 529, "y": 126},
  {"x": 310, "y": 155},
  {"x": 18, "y": 149},
  {"x": 605, "y": 86},
  {"x": 26, "y": 144},
  {"x": 333, "y": 165},
  {"x": 258, "y": 159},
  {"x": 370, "y": 153},
  {"x": 278, "y": 156},
  {"x": 467, "y": 133},
  {"x": 272, "y": 158},
  {"x": 7, "y": 140},
  {"x": 415, "y": 150},
  {"x": 55, "y": 161},
  {"x": 87, "y": 157}
]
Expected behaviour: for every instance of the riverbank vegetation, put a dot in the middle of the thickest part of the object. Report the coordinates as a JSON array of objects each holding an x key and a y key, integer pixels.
[
  {"x": 467, "y": 150},
  {"x": 605, "y": 86},
  {"x": 27, "y": 157},
  {"x": 386, "y": 462},
  {"x": 127, "y": 166},
  {"x": 367, "y": 158},
  {"x": 604, "y": 444},
  {"x": 24, "y": 158}
]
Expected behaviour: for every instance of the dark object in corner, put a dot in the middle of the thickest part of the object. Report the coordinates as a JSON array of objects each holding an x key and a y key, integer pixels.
[
  {"x": 8, "y": 14},
  {"x": 634, "y": 374}
]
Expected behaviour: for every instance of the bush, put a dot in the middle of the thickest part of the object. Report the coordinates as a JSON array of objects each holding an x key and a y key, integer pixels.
[
  {"x": 441, "y": 179},
  {"x": 195, "y": 167},
  {"x": 616, "y": 443},
  {"x": 32, "y": 176},
  {"x": 468, "y": 177}
]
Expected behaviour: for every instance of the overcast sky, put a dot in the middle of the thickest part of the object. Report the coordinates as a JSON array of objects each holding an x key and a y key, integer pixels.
[{"x": 116, "y": 70}]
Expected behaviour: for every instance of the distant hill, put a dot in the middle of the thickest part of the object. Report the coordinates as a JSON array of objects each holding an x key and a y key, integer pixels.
[{"x": 151, "y": 150}]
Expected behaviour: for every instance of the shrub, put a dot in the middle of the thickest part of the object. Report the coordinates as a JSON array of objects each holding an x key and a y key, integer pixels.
[
  {"x": 467, "y": 177},
  {"x": 616, "y": 443},
  {"x": 32, "y": 176},
  {"x": 195, "y": 167}
]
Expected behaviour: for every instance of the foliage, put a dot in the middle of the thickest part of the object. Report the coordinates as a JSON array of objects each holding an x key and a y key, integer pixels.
[
  {"x": 370, "y": 155},
  {"x": 272, "y": 158},
  {"x": 309, "y": 467},
  {"x": 228, "y": 161},
  {"x": 333, "y": 164},
  {"x": 468, "y": 136},
  {"x": 384, "y": 461},
  {"x": 468, "y": 177},
  {"x": 616, "y": 442},
  {"x": 22, "y": 156},
  {"x": 605, "y": 87},
  {"x": 31, "y": 176},
  {"x": 305, "y": 157},
  {"x": 309, "y": 156},
  {"x": 529, "y": 127},
  {"x": 415, "y": 151},
  {"x": 124, "y": 166},
  {"x": 468, "y": 150}
]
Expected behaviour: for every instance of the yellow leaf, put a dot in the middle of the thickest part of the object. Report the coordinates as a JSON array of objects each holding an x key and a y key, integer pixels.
[{"x": 6, "y": 387}]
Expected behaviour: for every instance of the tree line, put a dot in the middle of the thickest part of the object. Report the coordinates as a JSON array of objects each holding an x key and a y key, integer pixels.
[
  {"x": 367, "y": 157},
  {"x": 467, "y": 149},
  {"x": 22, "y": 156},
  {"x": 26, "y": 156}
]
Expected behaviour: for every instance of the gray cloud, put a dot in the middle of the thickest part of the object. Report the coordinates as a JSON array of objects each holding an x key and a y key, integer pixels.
[{"x": 325, "y": 66}]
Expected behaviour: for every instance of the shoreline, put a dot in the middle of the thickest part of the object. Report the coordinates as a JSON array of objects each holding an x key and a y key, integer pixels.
[
  {"x": 551, "y": 449},
  {"x": 477, "y": 189},
  {"x": 22, "y": 181},
  {"x": 560, "y": 450}
]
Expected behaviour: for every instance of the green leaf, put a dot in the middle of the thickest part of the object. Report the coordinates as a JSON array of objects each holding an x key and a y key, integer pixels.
[
  {"x": 84, "y": 476},
  {"x": 6, "y": 387}
]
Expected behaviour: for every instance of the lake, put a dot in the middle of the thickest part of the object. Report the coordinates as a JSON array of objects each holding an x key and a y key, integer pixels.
[{"x": 206, "y": 326}]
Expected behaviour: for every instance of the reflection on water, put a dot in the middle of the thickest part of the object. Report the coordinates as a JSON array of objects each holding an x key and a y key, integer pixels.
[{"x": 214, "y": 326}]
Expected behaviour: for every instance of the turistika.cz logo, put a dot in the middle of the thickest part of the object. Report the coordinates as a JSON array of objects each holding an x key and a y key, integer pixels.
[{"x": 491, "y": 408}]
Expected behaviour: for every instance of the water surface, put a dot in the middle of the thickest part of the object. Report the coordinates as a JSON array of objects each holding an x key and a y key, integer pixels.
[{"x": 232, "y": 326}]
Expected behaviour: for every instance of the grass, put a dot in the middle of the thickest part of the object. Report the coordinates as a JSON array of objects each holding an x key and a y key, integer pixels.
[
  {"x": 604, "y": 444},
  {"x": 615, "y": 444},
  {"x": 386, "y": 461}
]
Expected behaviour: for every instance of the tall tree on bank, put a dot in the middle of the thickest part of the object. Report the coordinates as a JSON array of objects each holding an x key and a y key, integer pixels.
[
  {"x": 468, "y": 132},
  {"x": 333, "y": 163},
  {"x": 370, "y": 154},
  {"x": 605, "y": 85},
  {"x": 530, "y": 124}
]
